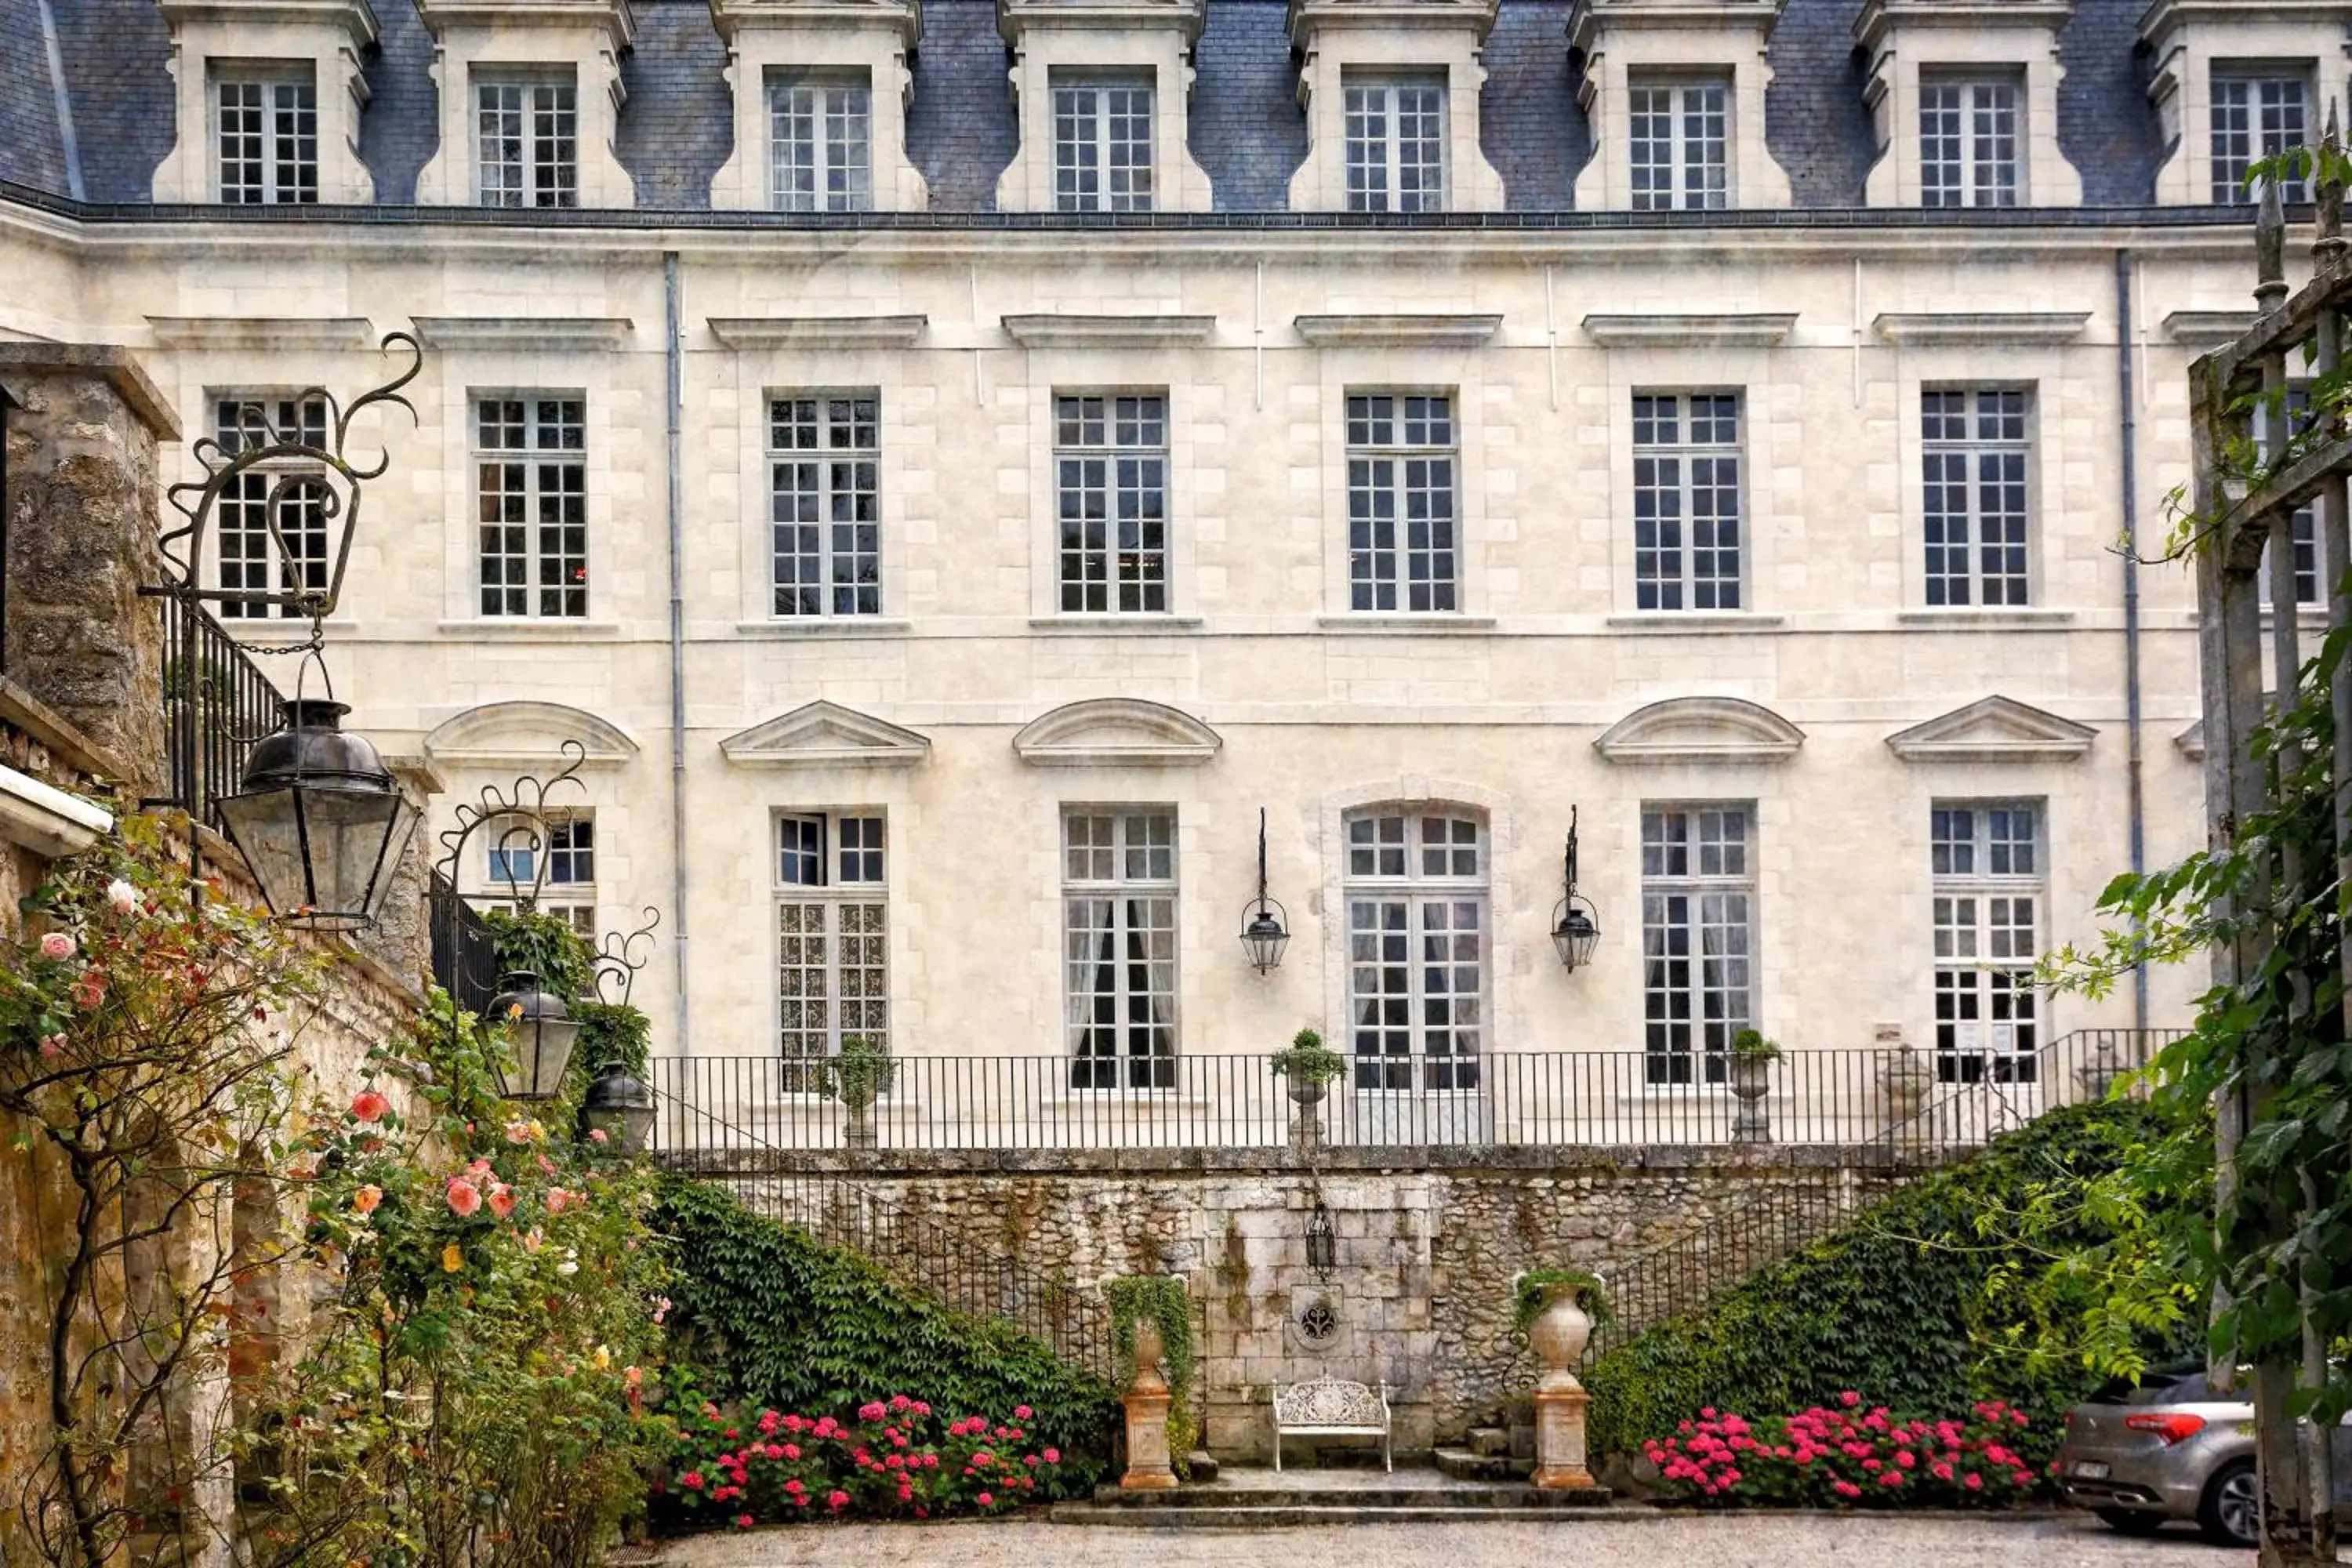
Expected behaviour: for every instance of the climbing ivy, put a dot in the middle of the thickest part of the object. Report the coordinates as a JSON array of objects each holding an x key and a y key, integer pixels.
[
  {"x": 1163, "y": 1298},
  {"x": 768, "y": 1316}
]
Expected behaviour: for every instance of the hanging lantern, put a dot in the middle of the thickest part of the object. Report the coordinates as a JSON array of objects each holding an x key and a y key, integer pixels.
[
  {"x": 1322, "y": 1242},
  {"x": 619, "y": 1105},
  {"x": 543, "y": 1035},
  {"x": 1264, "y": 936},
  {"x": 320, "y": 819},
  {"x": 1575, "y": 930}
]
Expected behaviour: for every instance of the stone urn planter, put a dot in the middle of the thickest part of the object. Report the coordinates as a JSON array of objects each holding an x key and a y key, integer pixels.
[
  {"x": 1557, "y": 1334},
  {"x": 1903, "y": 1090},
  {"x": 1307, "y": 1069},
  {"x": 1150, "y": 1465},
  {"x": 1751, "y": 1080}
]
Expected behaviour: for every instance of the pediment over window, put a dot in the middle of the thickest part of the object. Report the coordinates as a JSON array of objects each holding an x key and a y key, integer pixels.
[
  {"x": 1993, "y": 730},
  {"x": 529, "y": 733},
  {"x": 823, "y": 734},
  {"x": 2191, "y": 740},
  {"x": 1114, "y": 731},
  {"x": 1700, "y": 730}
]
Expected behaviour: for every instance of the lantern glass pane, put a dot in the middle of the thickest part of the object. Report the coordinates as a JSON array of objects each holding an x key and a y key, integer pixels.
[
  {"x": 262, "y": 826},
  {"x": 356, "y": 841}
]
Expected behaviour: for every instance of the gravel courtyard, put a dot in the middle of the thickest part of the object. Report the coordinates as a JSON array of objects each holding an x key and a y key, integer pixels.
[{"x": 1640, "y": 1542}]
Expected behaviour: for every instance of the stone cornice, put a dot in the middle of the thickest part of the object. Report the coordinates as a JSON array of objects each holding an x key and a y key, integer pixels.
[
  {"x": 1426, "y": 330},
  {"x": 2165, "y": 16},
  {"x": 2203, "y": 329},
  {"x": 1981, "y": 327},
  {"x": 1592, "y": 18},
  {"x": 354, "y": 18},
  {"x": 616, "y": 19},
  {"x": 262, "y": 332},
  {"x": 903, "y": 16},
  {"x": 1013, "y": 17},
  {"x": 1057, "y": 331},
  {"x": 119, "y": 366},
  {"x": 579, "y": 333},
  {"x": 1881, "y": 17},
  {"x": 1694, "y": 329},
  {"x": 1309, "y": 17},
  {"x": 818, "y": 332}
]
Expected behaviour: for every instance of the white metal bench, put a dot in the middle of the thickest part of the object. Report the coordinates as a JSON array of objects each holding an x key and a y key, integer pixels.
[{"x": 1331, "y": 1407}]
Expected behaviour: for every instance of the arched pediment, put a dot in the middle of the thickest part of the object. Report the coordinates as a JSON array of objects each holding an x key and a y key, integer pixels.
[
  {"x": 528, "y": 734},
  {"x": 823, "y": 733},
  {"x": 1700, "y": 730},
  {"x": 1113, "y": 731},
  {"x": 1993, "y": 730}
]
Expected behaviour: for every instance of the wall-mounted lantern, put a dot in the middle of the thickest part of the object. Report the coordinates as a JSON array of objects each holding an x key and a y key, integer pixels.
[
  {"x": 1322, "y": 1242},
  {"x": 320, "y": 819},
  {"x": 1574, "y": 929},
  {"x": 618, "y": 1104},
  {"x": 1264, "y": 935},
  {"x": 544, "y": 1034}
]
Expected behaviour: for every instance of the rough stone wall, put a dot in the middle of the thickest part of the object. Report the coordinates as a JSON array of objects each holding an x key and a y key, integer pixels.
[{"x": 1420, "y": 1283}]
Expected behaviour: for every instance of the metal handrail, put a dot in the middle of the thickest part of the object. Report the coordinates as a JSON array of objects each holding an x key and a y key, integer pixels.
[{"x": 217, "y": 703}]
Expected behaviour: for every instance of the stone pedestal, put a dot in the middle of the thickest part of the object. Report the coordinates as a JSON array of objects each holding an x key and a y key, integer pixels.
[
  {"x": 1560, "y": 1438},
  {"x": 1150, "y": 1467}
]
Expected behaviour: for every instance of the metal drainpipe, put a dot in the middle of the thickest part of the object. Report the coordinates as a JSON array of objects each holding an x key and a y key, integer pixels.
[
  {"x": 673, "y": 350},
  {"x": 2137, "y": 807}
]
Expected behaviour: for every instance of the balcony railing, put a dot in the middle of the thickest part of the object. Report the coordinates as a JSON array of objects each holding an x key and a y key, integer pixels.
[
  {"x": 1912, "y": 1100},
  {"x": 216, "y": 704}
]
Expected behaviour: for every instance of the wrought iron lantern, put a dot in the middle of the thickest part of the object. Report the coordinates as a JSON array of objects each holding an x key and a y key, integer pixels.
[
  {"x": 320, "y": 819},
  {"x": 1575, "y": 928},
  {"x": 544, "y": 1032},
  {"x": 619, "y": 1105},
  {"x": 1264, "y": 935},
  {"x": 1322, "y": 1242}
]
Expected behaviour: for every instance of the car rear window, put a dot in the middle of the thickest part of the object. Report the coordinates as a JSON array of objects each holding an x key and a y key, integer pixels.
[{"x": 2156, "y": 1388}]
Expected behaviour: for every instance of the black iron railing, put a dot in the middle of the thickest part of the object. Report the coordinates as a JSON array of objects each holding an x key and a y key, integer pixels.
[
  {"x": 216, "y": 704},
  {"x": 465, "y": 953},
  {"x": 1913, "y": 1102}
]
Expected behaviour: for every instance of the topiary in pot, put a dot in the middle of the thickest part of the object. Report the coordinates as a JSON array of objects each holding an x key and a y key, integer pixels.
[{"x": 1308, "y": 1065}]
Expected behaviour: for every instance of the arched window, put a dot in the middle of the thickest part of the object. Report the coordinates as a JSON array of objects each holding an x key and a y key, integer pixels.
[{"x": 1417, "y": 946}]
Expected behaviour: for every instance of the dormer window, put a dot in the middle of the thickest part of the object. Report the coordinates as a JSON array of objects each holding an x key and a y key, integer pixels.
[
  {"x": 1681, "y": 143},
  {"x": 820, "y": 145},
  {"x": 267, "y": 127},
  {"x": 1102, "y": 146},
  {"x": 1967, "y": 142},
  {"x": 2259, "y": 111},
  {"x": 1396, "y": 145},
  {"x": 2236, "y": 82},
  {"x": 1964, "y": 102},
  {"x": 529, "y": 143},
  {"x": 1675, "y": 91}
]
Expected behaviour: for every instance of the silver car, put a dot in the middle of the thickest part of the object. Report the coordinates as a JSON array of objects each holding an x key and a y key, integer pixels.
[{"x": 2170, "y": 1449}]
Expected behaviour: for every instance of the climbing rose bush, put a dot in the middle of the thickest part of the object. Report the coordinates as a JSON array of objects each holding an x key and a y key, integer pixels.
[
  {"x": 1847, "y": 1454},
  {"x": 896, "y": 1457}
]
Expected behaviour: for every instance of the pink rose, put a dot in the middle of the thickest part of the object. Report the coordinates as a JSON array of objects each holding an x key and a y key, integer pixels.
[
  {"x": 52, "y": 1047},
  {"x": 598, "y": 1135},
  {"x": 57, "y": 945},
  {"x": 369, "y": 1106},
  {"x": 465, "y": 1198},
  {"x": 502, "y": 1199},
  {"x": 556, "y": 1198},
  {"x": 366, "y": 1199}
]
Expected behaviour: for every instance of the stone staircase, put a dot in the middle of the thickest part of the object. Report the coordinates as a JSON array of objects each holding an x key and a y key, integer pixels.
[{"x": 1266, "y": 1500}]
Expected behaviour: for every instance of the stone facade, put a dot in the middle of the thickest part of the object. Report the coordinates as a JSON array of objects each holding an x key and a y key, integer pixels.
[{"x": 1421, "y": 1282}]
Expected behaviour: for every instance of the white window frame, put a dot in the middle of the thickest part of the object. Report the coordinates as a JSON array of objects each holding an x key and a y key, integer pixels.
[
  {"x": 1985, "y": 177},
  {"x": 1675, "y": 471},
  {"x": 283, "y": 175},
  {"x": 2267, "y": 130},
  {"x": 1417, "y": 461},
  {"x": 1379, "y": 152},
  {"x": 546, "y": 142},
  {"x": 1686, "y": 179},
  {"x": 1119, "y": 881},
  {"x": 1974, "y": 912},
  {"x": 2302, "y": 523},
  {"x": 1416, "y": 885},
  {"x": 1703, "y": 852},
  {"x": 1962, "y": 568},
  {"x": 846, "y": 852},
  {"x": 832, "y": 490},
  {"x": 1111, "y": 524},
  {"x": 244, "y": 555},
  {"x": 549, "y": 532},
  {"x": 1088, "y": 116},
  {"x": 831, "y": 119}
]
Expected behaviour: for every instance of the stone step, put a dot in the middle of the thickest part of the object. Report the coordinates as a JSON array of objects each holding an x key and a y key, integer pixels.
[
  {"x": 1202, "y": 1464},
  {"x": 1282, "y": 1516},
  {"x": 1436, "y": 1499},
  {"x": 1465, "y": 1464},
  {"x": 1489, "y": 1441}
]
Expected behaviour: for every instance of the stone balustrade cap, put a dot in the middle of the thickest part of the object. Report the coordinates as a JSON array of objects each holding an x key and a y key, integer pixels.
[{"x": 20, "y": 361}]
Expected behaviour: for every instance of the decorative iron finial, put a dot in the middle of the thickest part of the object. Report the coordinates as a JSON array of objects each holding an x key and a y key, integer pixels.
[
  {"x": 2327, "y": 249},
  {"x": 2270, "y": 248}
]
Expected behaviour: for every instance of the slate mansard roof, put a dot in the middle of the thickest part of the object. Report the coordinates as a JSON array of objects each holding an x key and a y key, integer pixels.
[{"x": 98, "y": 104}]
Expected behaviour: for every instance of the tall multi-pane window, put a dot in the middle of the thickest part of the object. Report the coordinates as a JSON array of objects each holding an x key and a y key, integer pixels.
[
  {"x": 824, "y": 503},
  {"x": 1686, "y": 500},
  {"x": 1989, "y": 886},
  {"x": 531, "y": 471},
  {"x": 1119, "y": 903},
  {"x": 820, "y": 145},
  {"x": 1404, "y": 545},
  {"x": 549, "y": 863},
  {"x": 528, "y": 143},
  {"x": 1974, "y": 448},
  {"x": 1396, "y": 146},
  {"x": 833, "y": 969},
  {"x": 2257, "y": 113},
  {"x": 267, "y": 127},
  {"x": 1969, "y": 141},
  {"x": 1681, "y": 134},
  {"x": 1102, "y": 147},
  {"x": 1698, "y": 939},
  {"x": 1110, "y": 488},
  {"x": 251, "y": 561},
  {"x": 1417, "y": 947}
]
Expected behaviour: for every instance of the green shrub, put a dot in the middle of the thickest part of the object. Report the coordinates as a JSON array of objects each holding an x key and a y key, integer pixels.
[
  {"x": 1895, "y": 1302},
  {"x": 1163, "y": 1298},
  {"x": 771, "y": 1317}
]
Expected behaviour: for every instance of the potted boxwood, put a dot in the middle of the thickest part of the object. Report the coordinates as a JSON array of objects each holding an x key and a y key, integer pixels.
[
  {"x": 1307, "y": 1066},
  {"x": 858, "y": 1076}
]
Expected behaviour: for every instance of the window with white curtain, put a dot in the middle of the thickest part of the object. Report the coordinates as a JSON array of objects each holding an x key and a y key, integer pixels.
[
  {"x": 1699, "y": 938},
  {"x": 1970, "y": 137},
  {"x": 833, "y": 969},
  {"x": 1102, "y": 147},
  {"x": 820, "y": 145},
  {"x": 1118, "y": 901},
  {"x": 1419, "y": 946},
  {"x": 1988, "y": 889},
  {"x": 1681, "y": 138},
  {"x": 1396, "y": 146},
  {"x": 527, "y": 143}
]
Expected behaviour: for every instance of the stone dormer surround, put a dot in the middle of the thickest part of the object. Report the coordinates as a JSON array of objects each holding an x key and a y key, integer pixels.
[
  {"x": 471, "y": 37},
  {"x": 1120, "y": 39},
  {"x": 1622, "y": 39},
  {"x": 868, "y": 38},
  {"x": 327, "y": 35},
  {"x": 2187, "y": 37},
  {"x": 1899, "y": 38},
  {"x": 1333, "y": 38}
]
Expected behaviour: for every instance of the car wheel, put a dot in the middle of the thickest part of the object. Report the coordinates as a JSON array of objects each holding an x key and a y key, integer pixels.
[
  {"x": 2130, "y": 1520},
  {"x": 2231, "y": 1509}
]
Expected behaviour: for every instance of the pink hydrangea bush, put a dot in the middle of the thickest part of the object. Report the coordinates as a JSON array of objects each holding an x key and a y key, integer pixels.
[
  {"x": 1847, "y": 1454},
  {"x": 896, "y": 1458}
]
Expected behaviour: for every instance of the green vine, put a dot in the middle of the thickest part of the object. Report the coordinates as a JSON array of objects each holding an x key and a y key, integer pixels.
[
  {"x": 1163, "y": 1298},
  {"x": 1531, "y": 1293}
]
